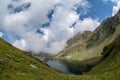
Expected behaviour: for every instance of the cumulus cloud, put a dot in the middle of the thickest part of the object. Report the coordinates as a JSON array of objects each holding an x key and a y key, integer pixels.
[
  {"x": 27, "y": 24},
  {"x": 88, "y": 24},
  {"x": 116, "y": 7},
  {"x": 21, "y": 44},
  {"x": 1, "y": 34}
]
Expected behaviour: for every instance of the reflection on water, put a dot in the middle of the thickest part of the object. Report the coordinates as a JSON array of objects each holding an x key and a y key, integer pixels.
[
  {"x": 58, "y": 65},
  {"x": 70, "y": 67}
]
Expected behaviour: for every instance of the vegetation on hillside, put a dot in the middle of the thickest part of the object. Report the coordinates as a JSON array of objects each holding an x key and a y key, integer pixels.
[{"x": 17, "y": 65}]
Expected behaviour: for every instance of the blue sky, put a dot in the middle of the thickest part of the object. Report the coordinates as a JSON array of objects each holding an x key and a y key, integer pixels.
[
  {"x": 100, "y": 9},
  {"x": 45, "y": 26}
]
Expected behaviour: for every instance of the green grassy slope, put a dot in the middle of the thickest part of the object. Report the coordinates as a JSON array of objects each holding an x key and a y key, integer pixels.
[
  {"x": 17, "y": 65},
  {"x": 110, "y": 67}
]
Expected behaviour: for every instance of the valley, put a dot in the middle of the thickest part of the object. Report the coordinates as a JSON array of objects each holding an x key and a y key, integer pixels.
[{"x": 87, "y": 56}]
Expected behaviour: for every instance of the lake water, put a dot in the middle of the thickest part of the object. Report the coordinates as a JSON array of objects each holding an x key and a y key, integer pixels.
[
  {"x": 58, "y": 65},
  {"x": 69, "y": 67}
]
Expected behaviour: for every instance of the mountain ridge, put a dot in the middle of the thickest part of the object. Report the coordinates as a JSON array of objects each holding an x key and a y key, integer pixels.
[{"x": 103, "y": 35}]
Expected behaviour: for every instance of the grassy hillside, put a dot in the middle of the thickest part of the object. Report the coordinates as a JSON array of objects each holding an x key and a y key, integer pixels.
[
  {"x": 110, "y": 66},
  {"x": 17, "y": 65}
]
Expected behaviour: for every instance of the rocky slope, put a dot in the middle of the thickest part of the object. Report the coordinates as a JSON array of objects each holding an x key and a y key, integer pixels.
[{"x": 90, "y": 44}]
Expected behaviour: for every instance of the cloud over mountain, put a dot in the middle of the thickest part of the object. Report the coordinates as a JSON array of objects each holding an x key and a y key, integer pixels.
[
  {"x": 44, "y": 25},
  {"x": 1, "y": 34}
]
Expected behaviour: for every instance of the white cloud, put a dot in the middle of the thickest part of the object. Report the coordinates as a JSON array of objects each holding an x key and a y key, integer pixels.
[
  {"x": 86, "y": 24},
  {"x": 25, "y": 23},
  {"x": 116, "y": 7},
  {"x": 21, "y": 44},
  {"x": 1, "y": 34}
]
